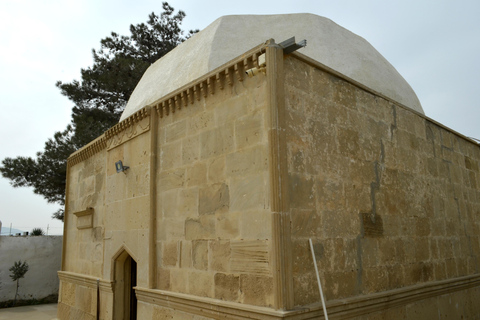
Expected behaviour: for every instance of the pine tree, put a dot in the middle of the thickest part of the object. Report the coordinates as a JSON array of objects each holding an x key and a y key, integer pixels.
[{"x": 99, "y": 99}]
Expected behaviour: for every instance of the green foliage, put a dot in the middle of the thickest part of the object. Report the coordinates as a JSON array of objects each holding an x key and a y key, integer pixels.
[
  {"x": 121, "y": 62},
  {"x": 46, "y": 174},
  {"x": 18, "y": 271},
  {"x": 99, "y": 99},
  {"x": 37, "y": 232}
]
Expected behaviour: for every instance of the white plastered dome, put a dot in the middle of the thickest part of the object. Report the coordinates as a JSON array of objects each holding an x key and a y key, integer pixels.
[{"x": 230, "y": 36}]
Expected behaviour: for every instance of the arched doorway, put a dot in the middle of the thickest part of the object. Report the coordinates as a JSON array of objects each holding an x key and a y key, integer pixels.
[{"x": 125, "y": 300}]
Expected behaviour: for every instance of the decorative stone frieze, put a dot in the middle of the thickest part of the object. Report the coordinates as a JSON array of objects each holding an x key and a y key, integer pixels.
[{"x": 128, "y": 129}]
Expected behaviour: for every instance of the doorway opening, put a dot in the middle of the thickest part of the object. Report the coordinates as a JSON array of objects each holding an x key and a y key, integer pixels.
[{"x": 125, "y": 306}]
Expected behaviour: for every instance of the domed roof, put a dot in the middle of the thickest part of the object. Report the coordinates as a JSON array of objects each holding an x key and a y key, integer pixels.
[{"x": 230, "y": 36}]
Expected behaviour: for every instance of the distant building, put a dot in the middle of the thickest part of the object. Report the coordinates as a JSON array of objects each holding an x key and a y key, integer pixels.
[{"x": 229, "y": 176}]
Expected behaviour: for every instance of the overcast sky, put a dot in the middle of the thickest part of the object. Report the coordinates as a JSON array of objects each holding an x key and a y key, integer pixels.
[{"x": 434, "y": 45}]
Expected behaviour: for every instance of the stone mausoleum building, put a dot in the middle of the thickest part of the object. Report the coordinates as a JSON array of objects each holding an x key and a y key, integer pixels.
[{"x": 230, "y": 176}]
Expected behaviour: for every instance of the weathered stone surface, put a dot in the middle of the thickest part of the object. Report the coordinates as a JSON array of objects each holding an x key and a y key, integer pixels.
[
  {"x": 63, "y": 311},
  {"x": 202, "y": 121},
  {"x": 227, "y": 287},
  {"x": 301, "y": 192},
  {"x": 170, "y": 253},
  {"x": 214, "y": 198},
  {"x": 200, "y": 254},
  {"x": 185, "y": 254},
  {"x": 176, "y": 131},
  {"x": 187, "y": 202},
  {"x": 162, "y": 313},
  {"x": 163, "y": 278},
  {"x": 144, "y": 311},
  {"x": 83, "y": 299},
  {"x": 170, "y": 229},
  {"x": 247, "y": 161},
  {"x": 216, "y": 170},
  {"x": 67, "y": 294},
  {"x": 201, "y": 284},
  {"x": 179, "y": 280},
  {"x": 216, "y": 142},
  {"x": 196, "y": 174},
  {"x": 247, "y": 193},
  {"x": 219, "y": 253},
  {"x": 340, "y": 284},
  {"x": 256, "y": 290},
  {"x": 249, "y": 130},
  {"x": 171, "y": 179},
  {"x": 302, "y": 262},
  {"x": 170, "y": 155},
  {"x": 227, "y": 226},
  {"x": 305, "y": 289},
  {"x": 236, "y": 108},
  {"x": 190, "y": 149},
  {"x": 381, "y": 175},
  {"x": 116, "y": 188},
  {"x": 306, "y": 223},
  {"x": 203, "y": 228}
]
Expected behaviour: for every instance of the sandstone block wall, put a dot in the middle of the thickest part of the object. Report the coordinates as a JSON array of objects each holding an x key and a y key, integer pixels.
[
  {"x": 83, "y": 251},
  {"x": 213, "y": 220},
  {"x": 230, "y": 177},
  {"x": 390, "y": 198},
  {"x": 126, "y": 221},
  {"x": 456, "y": 305},
  {"x": 84, "y": 235},
  {"x": 118, "y": 220},
  {"x": 212, "y": 224}
]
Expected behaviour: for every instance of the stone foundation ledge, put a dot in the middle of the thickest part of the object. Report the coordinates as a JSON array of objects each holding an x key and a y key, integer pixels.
[
  {"x": 86, "y": 281},
  {"x": 339, "y": 309},
  {"x": 345, "y": 308}
]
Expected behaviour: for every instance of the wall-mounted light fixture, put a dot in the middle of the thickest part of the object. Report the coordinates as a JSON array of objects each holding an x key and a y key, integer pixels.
[{"x": 120, "y": 167}]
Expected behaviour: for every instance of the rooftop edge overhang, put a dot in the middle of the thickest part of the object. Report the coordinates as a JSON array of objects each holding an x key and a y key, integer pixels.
[{"x": 207, "y": 84}]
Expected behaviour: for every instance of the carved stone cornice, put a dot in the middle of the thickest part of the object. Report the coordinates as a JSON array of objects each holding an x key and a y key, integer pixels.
[
  {"x": 87, "y": 151},
  {"x": 133, "y": 126},
  {"x": 209, "y": 84}
]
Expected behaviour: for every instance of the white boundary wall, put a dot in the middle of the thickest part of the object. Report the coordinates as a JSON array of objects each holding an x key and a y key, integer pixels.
[{"x": 43, "y": 255}]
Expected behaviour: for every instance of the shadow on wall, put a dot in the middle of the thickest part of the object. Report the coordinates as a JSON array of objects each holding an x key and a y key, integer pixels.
[{"x": 40, "y": 283}]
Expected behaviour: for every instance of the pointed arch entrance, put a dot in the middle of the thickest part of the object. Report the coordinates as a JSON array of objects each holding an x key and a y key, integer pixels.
[{"x": 125, "y": 279}]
